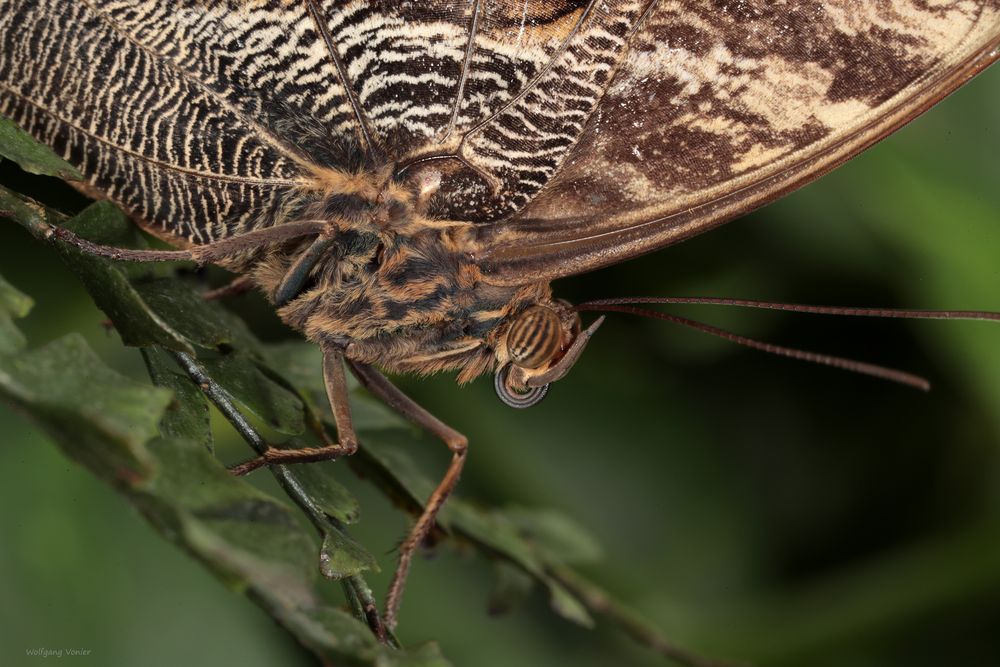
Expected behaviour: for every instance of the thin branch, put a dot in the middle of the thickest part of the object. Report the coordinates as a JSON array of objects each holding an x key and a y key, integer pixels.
[{"x": 355, "y": 587}]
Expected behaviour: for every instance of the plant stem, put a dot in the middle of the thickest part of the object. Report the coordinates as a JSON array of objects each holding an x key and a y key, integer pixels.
[{"x": 356, "y": 589}]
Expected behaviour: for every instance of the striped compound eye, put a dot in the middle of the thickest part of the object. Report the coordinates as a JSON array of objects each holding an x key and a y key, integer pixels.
[{"x": 534, "y": 337}]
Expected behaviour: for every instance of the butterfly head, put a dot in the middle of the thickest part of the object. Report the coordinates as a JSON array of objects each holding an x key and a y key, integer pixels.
[{"x": 541, "y": 344}]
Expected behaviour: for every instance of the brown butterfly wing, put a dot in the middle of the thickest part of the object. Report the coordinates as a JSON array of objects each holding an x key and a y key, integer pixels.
[
  {"x": 575, "y": 133},
  {"x": 719, "y": 107},
  {"x": 139, "y": 97},
  {"x": 204, "y": 118}
]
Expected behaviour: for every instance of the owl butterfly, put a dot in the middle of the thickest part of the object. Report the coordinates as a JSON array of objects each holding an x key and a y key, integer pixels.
[{"x": 405, "y": 179}]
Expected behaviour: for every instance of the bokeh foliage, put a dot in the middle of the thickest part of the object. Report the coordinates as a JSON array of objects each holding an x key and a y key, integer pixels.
[{"x": 755, "y": 508}]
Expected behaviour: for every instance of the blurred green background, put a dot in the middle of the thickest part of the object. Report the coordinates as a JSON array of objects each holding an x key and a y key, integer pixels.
[{"x": 753, "y": 507}]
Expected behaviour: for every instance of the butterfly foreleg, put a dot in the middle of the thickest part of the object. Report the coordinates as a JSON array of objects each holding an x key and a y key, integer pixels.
[
  {"x": 236, "y": 287},
  {"x": 203, "y": 254},
  {"x": 298, "y": 273},
  {"x": 294, "y": 279},
  {"x": 380, "y": 386},
  {"x": 336, "y": 391}
]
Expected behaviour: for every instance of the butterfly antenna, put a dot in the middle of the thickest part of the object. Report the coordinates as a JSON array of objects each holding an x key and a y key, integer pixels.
[
  {"x": 630, "y": 306},
  {"x": 797, "y": 308}
]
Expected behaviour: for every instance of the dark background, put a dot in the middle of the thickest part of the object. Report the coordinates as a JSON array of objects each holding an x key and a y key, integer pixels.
[{"x": 751, "y": 506}]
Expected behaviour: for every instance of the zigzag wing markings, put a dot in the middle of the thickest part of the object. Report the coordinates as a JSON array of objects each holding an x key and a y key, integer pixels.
[
  {"x": 508, "y": 86},
  {"x": 505, "y": 86},
  {"x": 403, "y": 62},
  {"x": 145, "y": 135},
  {"x": 524, "y": 142},
  {"x": 725, "y": 105}
]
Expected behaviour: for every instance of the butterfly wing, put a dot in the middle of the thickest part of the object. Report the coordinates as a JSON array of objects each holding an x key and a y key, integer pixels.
[
  {"x": 124, "y": 92},
  {"x": 575, "y": 133},
  {"x": 203, "y": 118},
  {"x": 719, "y": 107}
]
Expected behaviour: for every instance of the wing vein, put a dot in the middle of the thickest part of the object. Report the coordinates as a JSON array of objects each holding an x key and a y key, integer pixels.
[
  {"x": 650, "y": 6},
  {"x": 195, "y": 173},
  {"x": 269, "y": 138},
  {"x": 537, "y": 78},
  {"x": 470, "y": 50},
  {"x": 345, "y": 81}
]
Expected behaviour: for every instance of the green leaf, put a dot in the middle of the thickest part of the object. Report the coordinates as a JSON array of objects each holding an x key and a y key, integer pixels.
[
  {"x": 255, "y": 545},
  {"x": 28, "y": 213},
  {"x": 253, "y": 542},
  {"x": 557, "y": 537},
  {"x": 253, "y": 389},
  {"x": 147, "y": 306},
  {"x": 13, "y": 305},
  {"x": 511, "y": 588},
  {"x": 338, "y": 638},
  {"x": 341, "y": 557},
  {"x": 428, "y": 655},
  {"x": 329, "y": 495},
  {"x": 188, "y": 415},
  {"x": 385, "y": 462},
  {"x": 106, "y": 281},
  {"x": 99, "y": 417},
  {"x": 202, "y": 323},
  {"x": 19, "y": 146},
  {"x": 301, "y": 363},
  {"x": 250, "y": 540},
  {"x": 109, "y": 282},
  {"x": 197, "y": 496}
]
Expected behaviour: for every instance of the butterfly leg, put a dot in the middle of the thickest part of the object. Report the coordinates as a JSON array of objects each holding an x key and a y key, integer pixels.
[
  {"x": 380, "y": 386},
  {"x": 294, "y": 279},
  {"x": 236, "y": 287},
  {"x": 298, "y": 273},
  {"x": 290, "y": 286},
  {"x": 203, "y": 254},
  {"x": 336, "y": 390}
]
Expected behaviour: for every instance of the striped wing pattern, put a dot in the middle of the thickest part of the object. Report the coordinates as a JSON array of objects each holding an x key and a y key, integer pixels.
[
  {"x": 165, "y": 145},
  {"x": 575, "y": 133},
  {"x": 204, "y": 117}
]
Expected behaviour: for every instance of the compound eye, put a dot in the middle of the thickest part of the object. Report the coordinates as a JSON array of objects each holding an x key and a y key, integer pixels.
[{"x": 535, "y": 337}]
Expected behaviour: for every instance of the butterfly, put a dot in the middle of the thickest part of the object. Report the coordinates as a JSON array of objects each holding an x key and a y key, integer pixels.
[{"x": 404, "y": 180}]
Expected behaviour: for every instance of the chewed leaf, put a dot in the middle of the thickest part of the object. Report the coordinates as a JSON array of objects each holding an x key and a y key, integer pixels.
[
  {"x": 18, "y": 146},
  {"x": 99, "y": 417},
  {"x": 13, "y": 305}
]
